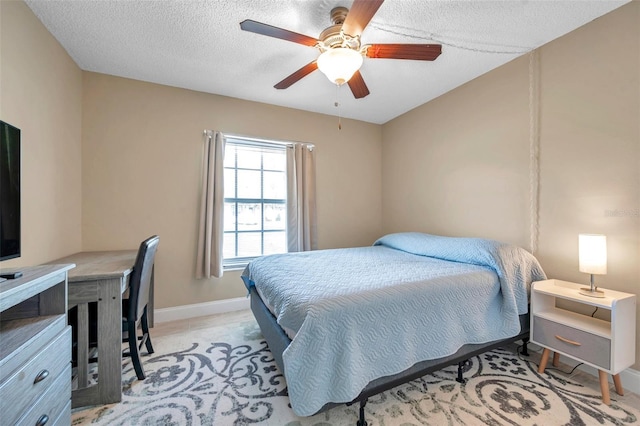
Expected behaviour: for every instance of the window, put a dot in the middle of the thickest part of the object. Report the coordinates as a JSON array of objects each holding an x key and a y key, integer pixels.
[{"x": 255, "y": 200}]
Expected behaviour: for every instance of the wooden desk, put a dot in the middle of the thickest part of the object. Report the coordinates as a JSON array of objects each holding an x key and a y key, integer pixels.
[{"x": 102, "y": 277}]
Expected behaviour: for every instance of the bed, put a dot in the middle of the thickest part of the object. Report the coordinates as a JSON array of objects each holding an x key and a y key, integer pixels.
[{"x": 346, "y": 324}]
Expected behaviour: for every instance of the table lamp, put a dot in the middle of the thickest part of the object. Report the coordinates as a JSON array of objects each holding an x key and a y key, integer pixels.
[{"x": 592, "y": 253}]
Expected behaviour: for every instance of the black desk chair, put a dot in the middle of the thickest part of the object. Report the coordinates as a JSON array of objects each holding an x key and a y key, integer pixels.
[{"x": 134, "y": 309}]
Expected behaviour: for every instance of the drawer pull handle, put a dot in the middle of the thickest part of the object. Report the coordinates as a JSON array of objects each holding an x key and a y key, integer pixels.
[
  {"x": 571, "y": 342},
  {"x": 42, "y": 420},
  {"x": 41, "y": 376}
]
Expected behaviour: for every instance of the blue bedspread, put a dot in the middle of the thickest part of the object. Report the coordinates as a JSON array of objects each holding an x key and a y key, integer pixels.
[{"x": 363, "y": 313}]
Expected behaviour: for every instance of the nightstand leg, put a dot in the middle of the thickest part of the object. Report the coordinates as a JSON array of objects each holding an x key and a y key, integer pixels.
[
  {"x": 618, "y": 383},
  {"x": 604, "y": 387},
  {"x": 556, "y": 359},
  {"x": 544, "y": 360}
]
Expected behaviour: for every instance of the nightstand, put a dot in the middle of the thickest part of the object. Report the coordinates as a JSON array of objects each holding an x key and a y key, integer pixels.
[{"x": 607, "y": 346}]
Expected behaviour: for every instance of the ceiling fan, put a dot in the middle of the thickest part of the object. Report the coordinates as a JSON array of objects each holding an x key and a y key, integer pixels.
[{"x": 342, "y": 52}]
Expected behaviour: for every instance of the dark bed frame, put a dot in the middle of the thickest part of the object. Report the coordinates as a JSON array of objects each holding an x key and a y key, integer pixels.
[{"x": 278, "y": 341}]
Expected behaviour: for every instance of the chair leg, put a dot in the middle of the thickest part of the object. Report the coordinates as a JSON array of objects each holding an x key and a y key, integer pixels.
[
  {"x": 133, "y": 350},
  {"x": 145, "y": 331}
]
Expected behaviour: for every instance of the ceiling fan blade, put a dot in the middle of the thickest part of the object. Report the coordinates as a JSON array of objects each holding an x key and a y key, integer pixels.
[
  {"x": 359, "y": 16},
  {"x": 358, "y": 86},
  {"x": 418, "y": 52},
  {"x": 271, "y": 31},
  {"x": 298, "y": 75}
]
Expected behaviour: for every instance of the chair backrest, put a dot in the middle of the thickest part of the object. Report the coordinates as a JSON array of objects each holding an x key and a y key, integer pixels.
[{"x": 140, "y": 279}]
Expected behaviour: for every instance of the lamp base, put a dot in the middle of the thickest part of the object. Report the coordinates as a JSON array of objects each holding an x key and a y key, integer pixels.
[{"x": 586, "y": 291}]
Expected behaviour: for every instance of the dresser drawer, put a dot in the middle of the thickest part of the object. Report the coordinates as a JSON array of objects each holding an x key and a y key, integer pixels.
[
  {"x": 52, "y": 404},
  {"x": 25, "y": 342},
  {"x": 64, "y": 419},
  {"x": 579, "y": 344},
  {"x": 19, "y": 391}
]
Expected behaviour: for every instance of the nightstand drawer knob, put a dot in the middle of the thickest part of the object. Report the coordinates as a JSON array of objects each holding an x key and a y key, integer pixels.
[{"x": 571, "y": 342}]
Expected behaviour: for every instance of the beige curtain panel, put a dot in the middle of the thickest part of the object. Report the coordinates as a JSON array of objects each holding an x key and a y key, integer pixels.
[
  {"x": 210, "y": 233},
  {"x": 302, "y": 232}
]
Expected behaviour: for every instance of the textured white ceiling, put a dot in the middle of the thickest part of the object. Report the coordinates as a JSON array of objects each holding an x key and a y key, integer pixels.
[{"x": 198, "y": 45}]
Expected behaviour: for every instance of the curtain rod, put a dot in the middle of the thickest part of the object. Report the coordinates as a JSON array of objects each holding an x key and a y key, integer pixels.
[{"x": 309, "y": 146}]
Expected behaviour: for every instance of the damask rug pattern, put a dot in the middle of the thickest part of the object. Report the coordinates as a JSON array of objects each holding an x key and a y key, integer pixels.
[{"x": 227, "y": 376}]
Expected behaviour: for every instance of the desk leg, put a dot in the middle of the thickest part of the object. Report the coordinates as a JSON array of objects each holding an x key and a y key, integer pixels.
[{"x": 110, "y": 341}]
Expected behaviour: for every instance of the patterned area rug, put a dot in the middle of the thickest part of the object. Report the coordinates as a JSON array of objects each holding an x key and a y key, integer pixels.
[{"x": 225, "y": 375}]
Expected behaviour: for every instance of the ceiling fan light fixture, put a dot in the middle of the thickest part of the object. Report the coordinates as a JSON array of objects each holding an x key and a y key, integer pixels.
[{"x": 339, "y": 64}]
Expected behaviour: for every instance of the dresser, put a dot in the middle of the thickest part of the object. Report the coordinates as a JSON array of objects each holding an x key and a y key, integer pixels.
[{"x": 35, "y": 354}]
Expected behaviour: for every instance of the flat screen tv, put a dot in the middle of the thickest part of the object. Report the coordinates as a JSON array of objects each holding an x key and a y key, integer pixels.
[{"x": 9, "y": 191}]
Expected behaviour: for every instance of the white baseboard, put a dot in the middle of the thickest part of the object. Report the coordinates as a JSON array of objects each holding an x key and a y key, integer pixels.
[{"x": 201, "y": 309}]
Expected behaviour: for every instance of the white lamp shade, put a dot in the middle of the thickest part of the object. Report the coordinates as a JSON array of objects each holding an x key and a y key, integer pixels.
[
  {"x": 592, "y": 252},
  {"x": 339, "y": 64}
]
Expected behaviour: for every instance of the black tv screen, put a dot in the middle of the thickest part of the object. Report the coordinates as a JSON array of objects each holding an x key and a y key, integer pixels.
[{"x": 9, "y": 191}]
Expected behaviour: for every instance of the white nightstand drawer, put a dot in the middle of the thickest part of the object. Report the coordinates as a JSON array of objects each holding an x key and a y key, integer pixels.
[{"x": 577, "y": 343}]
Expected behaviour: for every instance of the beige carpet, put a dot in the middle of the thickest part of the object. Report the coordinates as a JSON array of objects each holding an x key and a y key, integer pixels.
[{"x": 219, "y": 371}]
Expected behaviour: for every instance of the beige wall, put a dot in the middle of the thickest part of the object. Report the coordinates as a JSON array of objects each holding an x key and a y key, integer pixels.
[
  {"x": 142, "y": 148},
  {"x": 455, "y": 164},
  {"x": 41, "y": 93},
  {"x": 459, "y": 165}
]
